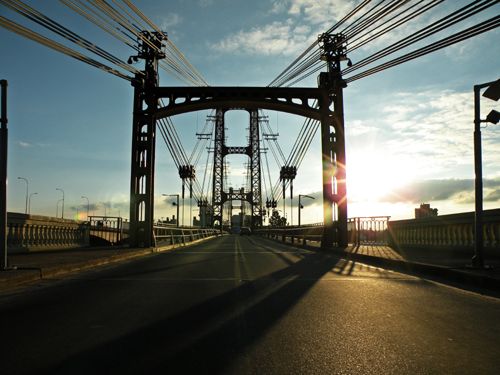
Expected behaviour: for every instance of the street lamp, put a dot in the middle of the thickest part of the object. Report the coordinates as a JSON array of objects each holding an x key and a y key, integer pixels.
[
  {"x": 300, "y": 206},
  {"x": 57, "y": 207},
  {"x": 88, "y": 205},
  {"x": 29, "y": 202},
  {"x": 27, "y": 188},
  {"x": 62, "y": 211},
  {"x": 175, "y": 204},
  {"x": 492, "y": 92}
]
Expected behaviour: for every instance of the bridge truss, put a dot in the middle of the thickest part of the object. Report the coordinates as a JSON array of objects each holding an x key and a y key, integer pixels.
[
  {"x": 299, "y": 101},
  {"x": 254, "y": 196}
]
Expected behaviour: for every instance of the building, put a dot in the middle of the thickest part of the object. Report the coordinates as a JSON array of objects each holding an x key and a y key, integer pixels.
[{"x": 425, "y": 210}]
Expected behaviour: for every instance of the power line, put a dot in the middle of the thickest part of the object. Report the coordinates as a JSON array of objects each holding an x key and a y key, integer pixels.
[
  {"x": 490, "y": 24},
  {"x": 21, "y": 30}
]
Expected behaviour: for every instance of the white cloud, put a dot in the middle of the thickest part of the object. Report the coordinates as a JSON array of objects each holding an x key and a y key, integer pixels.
[
  {"x": 325, "y": 12},
  {"x": 24, "y": 144},
  {"x": 273, "y": 39},
  {"x": 169, "y": 20},
  {"x": 205, "y": 3},
  {"x": 307, "y": 19}
]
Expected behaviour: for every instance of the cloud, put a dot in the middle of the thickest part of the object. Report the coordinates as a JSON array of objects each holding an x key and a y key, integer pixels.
[
  {"x": 457, "y": 190},
  {"x": 169, "y": 20},
  {"x": 493, "y": 196},
  {"x": 325, "y": 12},
  {"x": 434, "y": 128},
  {"x": 306, "y": 19},
  {"x": 277, "y": 38},
  {"x": 24, "y": 144},
  {"x": 205, "y": 3}
]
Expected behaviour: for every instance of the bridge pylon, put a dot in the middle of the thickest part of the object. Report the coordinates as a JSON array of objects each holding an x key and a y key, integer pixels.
[
  {"x": 143, "y": 140},
  {"x": 334, "y": 50},
  {"x": 254, "y": 196}
]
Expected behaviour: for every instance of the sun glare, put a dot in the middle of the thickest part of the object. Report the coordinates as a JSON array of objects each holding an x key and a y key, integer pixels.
[{"x": 373, "y": 176}]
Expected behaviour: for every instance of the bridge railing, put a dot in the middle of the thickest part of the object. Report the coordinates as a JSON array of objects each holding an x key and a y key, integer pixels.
[
  {"x": 106, "y": 230},
  {"x": 368, "y": 230},
  {"x": 165, "y": 235},
  {"x": 34, "y": 232},
  {"x": 302, "y": 234},
  {"x": 456, "y": 230}
]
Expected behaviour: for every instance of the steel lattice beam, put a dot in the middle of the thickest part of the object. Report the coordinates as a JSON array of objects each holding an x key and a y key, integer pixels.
[{"x": 297, "y": 101}]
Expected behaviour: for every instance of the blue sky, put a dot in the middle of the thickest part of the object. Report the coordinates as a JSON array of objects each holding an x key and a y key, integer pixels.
[{"x": 409, "y": 129}]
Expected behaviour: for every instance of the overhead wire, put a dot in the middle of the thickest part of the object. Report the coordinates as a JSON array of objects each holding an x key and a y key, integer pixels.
[
  {"x": 435, "y": 27},
  {"x": 480, "y": 28},
  {"x": 30, "y": 34}
]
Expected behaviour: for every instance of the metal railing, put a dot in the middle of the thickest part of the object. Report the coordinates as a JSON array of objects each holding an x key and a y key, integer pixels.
[
  {"x": 106, "y": 230},
  {"x": 303, "y": 234},
  {"x": 368, "y": 230},
  {"x": 165, "y": 235}
]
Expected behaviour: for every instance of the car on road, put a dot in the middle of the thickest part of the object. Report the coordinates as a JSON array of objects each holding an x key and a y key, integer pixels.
[{"x": 245, "y": 231}]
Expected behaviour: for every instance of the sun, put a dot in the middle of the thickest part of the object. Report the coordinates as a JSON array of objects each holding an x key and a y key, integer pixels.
[{"x": 375, "y": 175}]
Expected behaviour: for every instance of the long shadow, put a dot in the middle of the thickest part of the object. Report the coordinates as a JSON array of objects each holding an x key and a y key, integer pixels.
[{"x": 206, "y": 338}]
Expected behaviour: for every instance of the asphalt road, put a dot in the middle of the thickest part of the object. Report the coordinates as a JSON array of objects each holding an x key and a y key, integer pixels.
[{"x": 245, "y": 305}]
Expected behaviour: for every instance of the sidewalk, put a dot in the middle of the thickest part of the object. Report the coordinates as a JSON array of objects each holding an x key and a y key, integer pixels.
[
  {"x": 34, "y": 266},
  {"x": 445, "y": 265},
  {"x": 450, "y": 264}
]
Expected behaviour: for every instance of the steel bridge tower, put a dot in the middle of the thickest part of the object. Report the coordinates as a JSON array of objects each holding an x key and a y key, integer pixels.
[
  {"x": 143, "y": 140},
  {"x": 252, "y": 150},
  {"x": 334, "y": 50}
]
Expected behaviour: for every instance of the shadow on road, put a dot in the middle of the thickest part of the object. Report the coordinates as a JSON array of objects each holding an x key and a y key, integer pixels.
[{"x": 207, "y": 337}]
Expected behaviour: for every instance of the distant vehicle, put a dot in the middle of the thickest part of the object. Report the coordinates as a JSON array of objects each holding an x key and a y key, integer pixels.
[
  {"x": 245, "y": 231},
  {"x": 235, "y": 230}
]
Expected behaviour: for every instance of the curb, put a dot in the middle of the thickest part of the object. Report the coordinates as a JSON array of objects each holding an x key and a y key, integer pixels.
[
  {"x": 36, "y": 274},
  {"x": 451, "y": 274},
  {"x": 441, "y": 273}
]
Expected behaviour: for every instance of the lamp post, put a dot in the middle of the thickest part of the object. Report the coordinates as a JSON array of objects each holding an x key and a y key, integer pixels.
[
  {"x": 57, "y": 207},
  {"x": 300, "y": 206},
  {"x": 88, "y": 205},
  {"x": 493, "y": 93},
  {"x": 175, "y": 204},
  {"x": 26, "y": 195},
  {"x": 29, "y": 202},
  {"x": 62, "y": 211}
]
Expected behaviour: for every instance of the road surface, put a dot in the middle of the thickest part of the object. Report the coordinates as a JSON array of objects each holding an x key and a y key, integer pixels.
[{"x": 246, "y": 305}]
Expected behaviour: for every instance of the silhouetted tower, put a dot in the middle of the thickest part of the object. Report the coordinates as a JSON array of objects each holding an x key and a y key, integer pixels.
[
  {"x": 254, "y": 196},
  {"x": 334, "y": 50},
  {"x": 143, "y": 140}
]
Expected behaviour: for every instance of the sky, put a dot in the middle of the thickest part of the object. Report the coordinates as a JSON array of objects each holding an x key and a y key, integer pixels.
[{"x": 409, "y": 129}]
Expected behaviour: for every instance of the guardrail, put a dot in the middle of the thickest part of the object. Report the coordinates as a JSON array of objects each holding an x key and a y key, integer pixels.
[
  {"x": 106, "y": 230},
  {"x": 303, "y": 234},
  {"x": 165, "y": 235},
  {"x": 456, "y": 230},
  {"x": 34, "y": 232},
  {"x": 368, "y": 230}
]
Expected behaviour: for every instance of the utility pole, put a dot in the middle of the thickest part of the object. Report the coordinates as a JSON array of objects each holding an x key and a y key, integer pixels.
[
  {"x": 493, "y": 93},
  {"x": 3, "y": 176}
]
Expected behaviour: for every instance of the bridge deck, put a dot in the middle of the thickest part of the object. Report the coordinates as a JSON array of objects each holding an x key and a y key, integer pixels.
[{"x": 246, "y": 305}]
